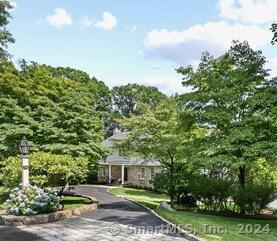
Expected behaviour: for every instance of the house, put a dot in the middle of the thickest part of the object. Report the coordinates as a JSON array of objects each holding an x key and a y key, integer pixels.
[{"x": 128, "y": 170}]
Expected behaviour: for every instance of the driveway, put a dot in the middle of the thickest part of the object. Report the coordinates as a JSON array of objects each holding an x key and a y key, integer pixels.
[
  {"x": 116, "y": 219},
  {"x": 116, "y": 209}
]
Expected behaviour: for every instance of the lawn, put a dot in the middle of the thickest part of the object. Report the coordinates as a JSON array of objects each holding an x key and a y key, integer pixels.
[
  {"x": 146, "y": 198},
  {"x": 204, "y": 225},
  {"x": 71, "y": 202}
]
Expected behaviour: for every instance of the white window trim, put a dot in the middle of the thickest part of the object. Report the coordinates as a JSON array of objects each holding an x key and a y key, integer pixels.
[{"x": 141, "y": 177}]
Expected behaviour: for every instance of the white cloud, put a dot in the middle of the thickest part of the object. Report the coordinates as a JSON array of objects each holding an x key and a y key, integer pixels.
[
  {"x": 249, "y": 11},
  {"x": 107, "y": 23},
  {"x": 169, "y": 85},
  {"x": 86, "y": 22},
  {"x": 186, "y": 47},
  {"x": 60, "y": 18}
]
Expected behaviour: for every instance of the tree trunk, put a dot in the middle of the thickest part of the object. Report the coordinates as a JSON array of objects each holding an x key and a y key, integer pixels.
[
  {"x": 242, "y": 184},
  {"x": 242, "y": 176}
]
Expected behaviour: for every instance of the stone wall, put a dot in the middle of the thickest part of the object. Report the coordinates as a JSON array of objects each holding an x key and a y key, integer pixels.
[
  {"x": 134, "y": 176},
  {"x": 12, "y": 220}
]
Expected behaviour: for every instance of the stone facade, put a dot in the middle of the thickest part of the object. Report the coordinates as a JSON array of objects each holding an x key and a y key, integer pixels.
[
  {"x": 134, "y": 175},
  {"x": 136, "y": 179}
]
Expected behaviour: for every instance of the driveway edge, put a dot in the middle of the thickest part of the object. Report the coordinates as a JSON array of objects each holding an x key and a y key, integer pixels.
[{"x": 186, "y": 234}]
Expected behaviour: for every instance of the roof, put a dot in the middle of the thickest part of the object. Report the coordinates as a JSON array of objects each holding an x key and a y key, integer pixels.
[
  {"x": 129, "y": 161},
  {"x": 124, "y": 160},
  {"x": 119, "y": 136}
]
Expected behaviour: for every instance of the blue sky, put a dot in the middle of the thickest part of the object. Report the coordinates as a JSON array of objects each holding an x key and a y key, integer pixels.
[{"x": 138, "y": 41}]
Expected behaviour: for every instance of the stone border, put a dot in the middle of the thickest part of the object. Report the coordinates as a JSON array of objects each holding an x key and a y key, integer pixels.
[
  {"x": 12, "y": 220},
  {"x": 186, "y": 234}
]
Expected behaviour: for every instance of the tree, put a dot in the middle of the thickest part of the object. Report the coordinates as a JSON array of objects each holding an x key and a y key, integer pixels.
[
  {"x": 5, "y": 35},
  {"x": 126, "y": 99},
  {"x": 233, "y": 100},
  {"x": 58, "y": 115},
  {"x": 156, "y": 134},
  {"x": 274, "y": 31}
]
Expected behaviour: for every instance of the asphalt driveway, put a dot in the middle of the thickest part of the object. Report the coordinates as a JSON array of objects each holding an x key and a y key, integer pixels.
[
  {"x": 116, "y": 219},
  {"x": 116, "y": 209}
]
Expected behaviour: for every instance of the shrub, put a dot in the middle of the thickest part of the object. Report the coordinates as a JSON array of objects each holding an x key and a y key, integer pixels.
[
  {"x": 176, "y": 187},
  {"x": 46, "y": 170},
  {"x": 213, "y": 193},
  {"x": 32, "y": 201},
  {"x": 251, "y": 199}
]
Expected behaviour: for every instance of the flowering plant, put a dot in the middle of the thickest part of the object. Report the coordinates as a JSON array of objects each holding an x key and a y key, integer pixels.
[{"x": 32, "y": 200}]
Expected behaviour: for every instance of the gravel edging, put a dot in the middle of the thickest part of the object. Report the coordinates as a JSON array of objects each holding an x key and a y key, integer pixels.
[
  {"x": 12, "y": 220},
  {"x": 184, "y": 233}
]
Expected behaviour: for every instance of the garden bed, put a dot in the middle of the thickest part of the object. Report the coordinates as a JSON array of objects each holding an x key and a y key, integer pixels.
[{"x": 74, "y": 205}]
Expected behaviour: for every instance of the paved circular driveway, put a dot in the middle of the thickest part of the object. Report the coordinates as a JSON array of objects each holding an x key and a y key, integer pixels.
[{"x": 116, "y": 219}]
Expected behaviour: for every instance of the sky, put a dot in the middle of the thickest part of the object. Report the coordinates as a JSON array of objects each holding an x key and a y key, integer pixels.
[{"x": 138, "y": 41}]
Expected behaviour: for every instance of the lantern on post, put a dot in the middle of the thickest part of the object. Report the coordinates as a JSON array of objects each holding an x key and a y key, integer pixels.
[{"x": 25, "y": 149}]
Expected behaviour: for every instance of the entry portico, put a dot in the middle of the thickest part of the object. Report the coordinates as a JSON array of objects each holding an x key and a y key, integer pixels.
[{"x": 120, "y": 163}]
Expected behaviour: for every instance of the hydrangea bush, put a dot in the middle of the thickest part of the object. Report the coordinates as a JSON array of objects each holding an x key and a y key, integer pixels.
[{"x": 32, "y": 200}]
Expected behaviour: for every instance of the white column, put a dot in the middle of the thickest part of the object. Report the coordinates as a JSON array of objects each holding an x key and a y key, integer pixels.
[
  {"x": 110, "y": 173},
  {"x": 122, "y": 174},
  {"x": 25, "y": 171}
]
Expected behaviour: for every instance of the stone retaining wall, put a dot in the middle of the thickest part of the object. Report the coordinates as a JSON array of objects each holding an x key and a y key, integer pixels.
[{"x": 12, "y": 220}]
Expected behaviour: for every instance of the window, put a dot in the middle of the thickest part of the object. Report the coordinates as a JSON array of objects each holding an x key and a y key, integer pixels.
[
  {"x": 142, "y": 173},
  {"x": 152, "y": 173}
]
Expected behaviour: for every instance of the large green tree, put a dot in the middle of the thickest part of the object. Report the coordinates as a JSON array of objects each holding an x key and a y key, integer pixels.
[
  {"x": 5, "y": 35},
  {"x": 157, "y": 135},
  {"x": 127, "y": 98},
  {"x": 234, "y": 101},
  {"x": 56, "y": 114}
]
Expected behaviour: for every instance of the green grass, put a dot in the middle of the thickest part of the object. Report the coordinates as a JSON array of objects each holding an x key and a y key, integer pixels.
[
  {"x": 146, "y": 198},
  {"x": 195, "y": 221},
  {"x": 71, "y": 202}
]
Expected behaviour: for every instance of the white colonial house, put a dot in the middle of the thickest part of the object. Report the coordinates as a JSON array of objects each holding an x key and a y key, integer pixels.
[{"x": 132, "y": 170}]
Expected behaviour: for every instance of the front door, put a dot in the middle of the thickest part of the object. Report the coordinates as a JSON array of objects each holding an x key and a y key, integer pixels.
[{"x": 125, "y": 174}]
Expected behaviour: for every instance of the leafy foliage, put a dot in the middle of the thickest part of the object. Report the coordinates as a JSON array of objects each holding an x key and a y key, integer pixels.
[
  {"x": 47, "y": 170},
  {"x": 274, "y": 30},
  {"x": 5, "y": 35},
  {"x": 56, "y": 114},
  {"x": 226, "y": 102},
  {"x": 156, "y": 134},
  {"x": 127, "y": 98}
]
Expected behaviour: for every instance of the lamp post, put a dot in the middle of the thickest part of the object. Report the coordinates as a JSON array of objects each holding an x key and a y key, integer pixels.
[{"x": 24, "y": 149}]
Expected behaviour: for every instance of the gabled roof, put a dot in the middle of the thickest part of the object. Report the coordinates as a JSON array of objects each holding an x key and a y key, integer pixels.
[
  {"x": 129, "y": 161},
  {"x": 122, "y": 160},
  {"x": 119, "y": 136}
]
